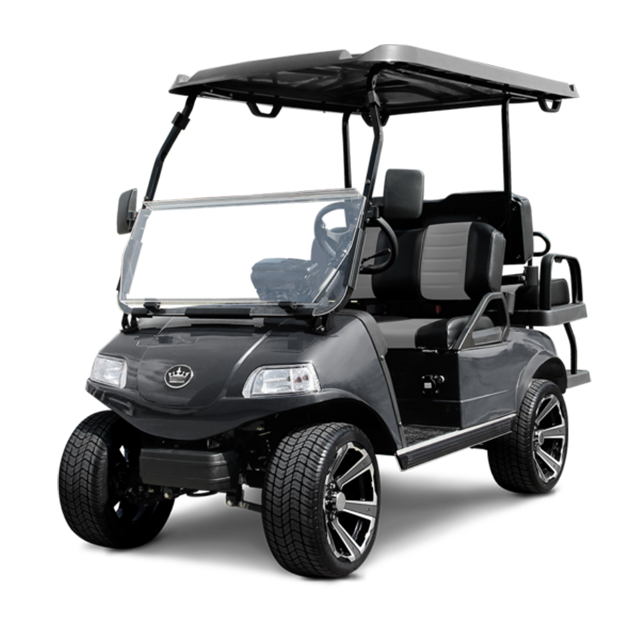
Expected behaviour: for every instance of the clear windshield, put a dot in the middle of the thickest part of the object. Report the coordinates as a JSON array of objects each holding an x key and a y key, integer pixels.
[{"x": 280, "y": 252}]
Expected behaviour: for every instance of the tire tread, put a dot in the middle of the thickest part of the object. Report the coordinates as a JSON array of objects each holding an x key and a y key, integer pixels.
[
  {"x": 292, "y": 521},
  {"x": 83, "y": 487},
  {"x": 511, "y": 457},
  {"x": 80, "y": 482}
]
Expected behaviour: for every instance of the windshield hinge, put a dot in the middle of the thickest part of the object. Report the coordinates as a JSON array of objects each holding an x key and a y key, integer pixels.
[
  {"x": 152, "y": 307},
  {"x": 129, "y": 326},
  {"x": 290, "y": 307},
  {"x": 322, "y": 324},
  {"x": 372, "y": 213},
  {"x": 129, "y": 321}
]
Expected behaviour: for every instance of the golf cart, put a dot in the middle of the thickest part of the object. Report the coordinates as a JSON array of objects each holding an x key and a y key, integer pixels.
[{"x": 286, "y": 358}]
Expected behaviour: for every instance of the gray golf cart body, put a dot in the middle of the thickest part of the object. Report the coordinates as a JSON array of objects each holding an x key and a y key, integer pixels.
[
  {"x": 422, "y": 385},
  {"x": 401, "y": 319}
]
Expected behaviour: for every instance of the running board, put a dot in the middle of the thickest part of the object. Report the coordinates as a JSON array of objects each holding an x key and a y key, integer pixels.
[{"x": 447, "y": 443}]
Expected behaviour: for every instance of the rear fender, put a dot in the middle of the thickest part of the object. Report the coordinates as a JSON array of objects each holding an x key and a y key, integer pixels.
[{"x": 542, "y": 366}]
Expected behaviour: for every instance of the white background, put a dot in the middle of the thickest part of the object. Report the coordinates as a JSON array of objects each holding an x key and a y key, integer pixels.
[{"x": 48, "y": 116}]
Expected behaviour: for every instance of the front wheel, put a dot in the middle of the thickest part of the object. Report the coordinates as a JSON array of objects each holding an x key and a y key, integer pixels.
[
  {"x": 321, "y": 500},
  {"x": 102, "y": 498}
]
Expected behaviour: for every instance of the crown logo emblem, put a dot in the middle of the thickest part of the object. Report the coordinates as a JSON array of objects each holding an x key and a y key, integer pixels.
[{"x": 178, "y": 376}]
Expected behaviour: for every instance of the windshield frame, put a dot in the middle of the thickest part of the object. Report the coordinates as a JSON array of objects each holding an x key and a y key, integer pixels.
[{"x": 207, "y": 307}]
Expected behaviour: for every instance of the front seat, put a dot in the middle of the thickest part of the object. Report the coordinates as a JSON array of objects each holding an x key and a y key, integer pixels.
[{"x": 439, "y": 277}]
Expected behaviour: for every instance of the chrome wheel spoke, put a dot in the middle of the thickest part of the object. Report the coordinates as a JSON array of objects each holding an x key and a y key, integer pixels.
[
  {"x": 350, "y": 502},
  {"x": 550, "y": 441},
  {"x": 358, "y": 469},
  {"x": 331, "y": 540},
  {"x": 557, "y": 431},
  {"x": 364, "y": 509},
  {"x": 337, "y": 461},
  {"x": 550, "y": 461},
  {"x": 352, "y": 547},
  {"x": 539, "y": 470},
  {"x": 551, "y": 404}
]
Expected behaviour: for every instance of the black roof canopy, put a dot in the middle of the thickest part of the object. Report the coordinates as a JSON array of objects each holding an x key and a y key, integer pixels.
[{"x": 410, "y": 80}]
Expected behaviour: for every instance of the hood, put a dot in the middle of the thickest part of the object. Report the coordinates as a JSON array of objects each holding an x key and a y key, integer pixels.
[{"x": 213, "y": 353}]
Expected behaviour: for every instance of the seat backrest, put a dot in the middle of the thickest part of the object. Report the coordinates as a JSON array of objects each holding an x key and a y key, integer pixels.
[
  {"x": 513, "y": 220},
  {"x": 456, "y": 262},
  {"x": 401, "y": 207},
  {"x": 451, "y": 263},
  {"x": 403, "y": 198}
]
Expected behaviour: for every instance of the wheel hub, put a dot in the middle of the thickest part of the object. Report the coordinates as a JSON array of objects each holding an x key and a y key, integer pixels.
[
  {"x": 336, "y": 501},
  {"x": 330, "y": 500}
]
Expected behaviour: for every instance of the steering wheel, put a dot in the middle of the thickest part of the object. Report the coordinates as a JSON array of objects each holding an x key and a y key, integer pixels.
[
  {"x": 544, "y": 242},
  {"x": 329, "y": 241}
]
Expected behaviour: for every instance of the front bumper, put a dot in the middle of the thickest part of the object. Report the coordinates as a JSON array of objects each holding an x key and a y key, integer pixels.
[
  {"x": 195, "y": 423},
  {"x": 191, "y": 469}
]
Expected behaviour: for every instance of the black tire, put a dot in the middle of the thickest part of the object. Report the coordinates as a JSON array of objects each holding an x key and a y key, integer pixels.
[
  {"x": 321, "y": 500},
  {"x": 531, "y": 458},
  {"x": 99, "y": 495}
]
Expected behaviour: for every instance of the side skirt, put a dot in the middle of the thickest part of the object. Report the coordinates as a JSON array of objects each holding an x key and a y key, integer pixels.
[{"x": 434, "y": 444}]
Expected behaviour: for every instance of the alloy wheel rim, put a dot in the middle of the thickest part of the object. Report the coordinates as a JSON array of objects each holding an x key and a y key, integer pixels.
[
  {"x": 549, "y": 440},
  {"x": 350, "y": 502}
]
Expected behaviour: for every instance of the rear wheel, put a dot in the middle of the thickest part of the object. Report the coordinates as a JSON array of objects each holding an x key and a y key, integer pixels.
[
  {"x": 321, "y": 500},
  {"x": 101, "y": 495},
  {"x": 531, "y": 458}
]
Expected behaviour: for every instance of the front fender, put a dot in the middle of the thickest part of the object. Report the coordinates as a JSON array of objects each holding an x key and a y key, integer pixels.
[{"x": 349, "y": 364}]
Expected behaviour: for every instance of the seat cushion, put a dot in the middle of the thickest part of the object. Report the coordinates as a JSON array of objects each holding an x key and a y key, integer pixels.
[{"x": 404, "y": 333}]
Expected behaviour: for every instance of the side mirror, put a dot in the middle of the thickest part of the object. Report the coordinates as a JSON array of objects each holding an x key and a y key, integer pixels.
[{"x": 126, "y": 211}]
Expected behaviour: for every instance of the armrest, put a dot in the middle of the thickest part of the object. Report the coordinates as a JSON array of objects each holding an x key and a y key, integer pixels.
[
  {"x": 546, "y": 266},
  {"x": 509, "y": 292},
  {"x": 466, "y": 336}
]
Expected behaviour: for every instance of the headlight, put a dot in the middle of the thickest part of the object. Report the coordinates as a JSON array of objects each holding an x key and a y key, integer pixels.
[
  {"x": 282, "y": 381},
  {"x": 111, "y": 371}
]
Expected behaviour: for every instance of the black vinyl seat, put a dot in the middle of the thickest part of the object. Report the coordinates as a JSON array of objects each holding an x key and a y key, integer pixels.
[{"x": 440, "y": 275}]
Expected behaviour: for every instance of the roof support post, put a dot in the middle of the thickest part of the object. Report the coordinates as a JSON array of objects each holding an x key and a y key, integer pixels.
[
  {"x": 374, "y": 119},
  {"x": 348, "y": 169},
  {"x": 180, "y": 122},
  {"x": 505, "y": 131}
]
